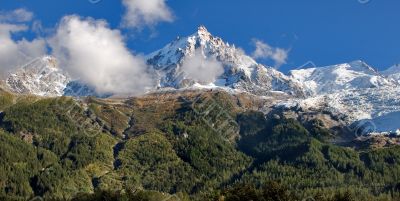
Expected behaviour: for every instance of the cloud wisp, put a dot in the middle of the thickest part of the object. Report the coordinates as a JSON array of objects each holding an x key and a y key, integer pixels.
[
  {"x": 201, "y": 69},
  {"x": 265, "y": 51},
  {"x": 140, "y": 13},
  {"x": 16, "y": 16},
  {"x": 91, "y": 51}
]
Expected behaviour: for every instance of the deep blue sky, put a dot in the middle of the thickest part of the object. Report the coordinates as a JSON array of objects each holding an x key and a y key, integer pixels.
[{"x": 324, "y": 32}]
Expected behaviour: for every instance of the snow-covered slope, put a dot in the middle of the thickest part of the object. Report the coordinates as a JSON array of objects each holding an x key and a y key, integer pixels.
[
  {"x": 367, "y": 98},
  {"x": 330, "y": 79},
  {"x": 40, "y": 77},
  {"x": 393, "y": 73},
  {"x": 368, "y": 110},
  {"x": 241, "y": 72}
]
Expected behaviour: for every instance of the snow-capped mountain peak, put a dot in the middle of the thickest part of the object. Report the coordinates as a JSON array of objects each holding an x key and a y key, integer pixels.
[
  {"x": 43, "y": 77},
  {"x": 203, "y": 33},
  {"x": 241, "y": 72},
  {"x": 50, "y": 61},
  {"x": 174, "y": 52},
  {"x": 39, "y": 77}
]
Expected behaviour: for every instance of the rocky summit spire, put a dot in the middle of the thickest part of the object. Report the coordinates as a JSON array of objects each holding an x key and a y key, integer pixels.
[
  {"x": 202, "y": 31},
  {"x": 202, "y": 28}
]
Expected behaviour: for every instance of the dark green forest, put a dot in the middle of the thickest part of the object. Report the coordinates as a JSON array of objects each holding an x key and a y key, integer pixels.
[{"x": 179, "y": 149}]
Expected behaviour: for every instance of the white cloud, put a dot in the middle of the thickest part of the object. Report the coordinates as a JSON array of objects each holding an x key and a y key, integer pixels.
[
  {"x": 201, "y": 69},
  {"x": 265, "y": 51},
  {"x": 145, "y": 13},
  {"x": 18, "y": 15},
  {"x": 88, "y": 49},
  {"x": 13, "y": 53}
]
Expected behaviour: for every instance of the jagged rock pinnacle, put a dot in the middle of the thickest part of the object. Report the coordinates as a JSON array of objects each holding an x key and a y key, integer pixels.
[
  {"x": 202, "y": 28},
  {"x": 202, "y": 31}
]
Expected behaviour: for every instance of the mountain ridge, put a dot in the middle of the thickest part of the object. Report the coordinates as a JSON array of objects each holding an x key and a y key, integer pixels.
[
  {"x": 353, "y": 75},
  {"x": 353, "y": 89}
]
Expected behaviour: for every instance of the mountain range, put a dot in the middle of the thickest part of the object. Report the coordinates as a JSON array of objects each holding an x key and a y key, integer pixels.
[{"x": 366, "y": 97}]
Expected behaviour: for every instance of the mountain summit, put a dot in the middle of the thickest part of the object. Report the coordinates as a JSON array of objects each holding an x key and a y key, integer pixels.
[
  {"x": 39, "y": 77},
  {"x": 241, "y": 72}
]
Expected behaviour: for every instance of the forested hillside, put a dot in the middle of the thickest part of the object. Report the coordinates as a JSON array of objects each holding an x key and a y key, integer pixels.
[{"x": 180, "y": 146}]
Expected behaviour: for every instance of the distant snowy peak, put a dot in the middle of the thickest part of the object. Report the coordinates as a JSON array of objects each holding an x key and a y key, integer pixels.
[
  {"x": 330, "y": 79},
  {"x": 43, "y": 77},
  {"x": 240, "y": 71},
  {"x": 39, "y": 77},
  {"x": 393, "y": 73},
  {"x": 392, "y": 70}
]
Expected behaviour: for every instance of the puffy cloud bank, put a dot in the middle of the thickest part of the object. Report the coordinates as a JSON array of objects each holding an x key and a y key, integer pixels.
[
  {"x": 88, "y": 49},
  {"x": 145, "y": 13},
  {"x": 201, "y": 69}
]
